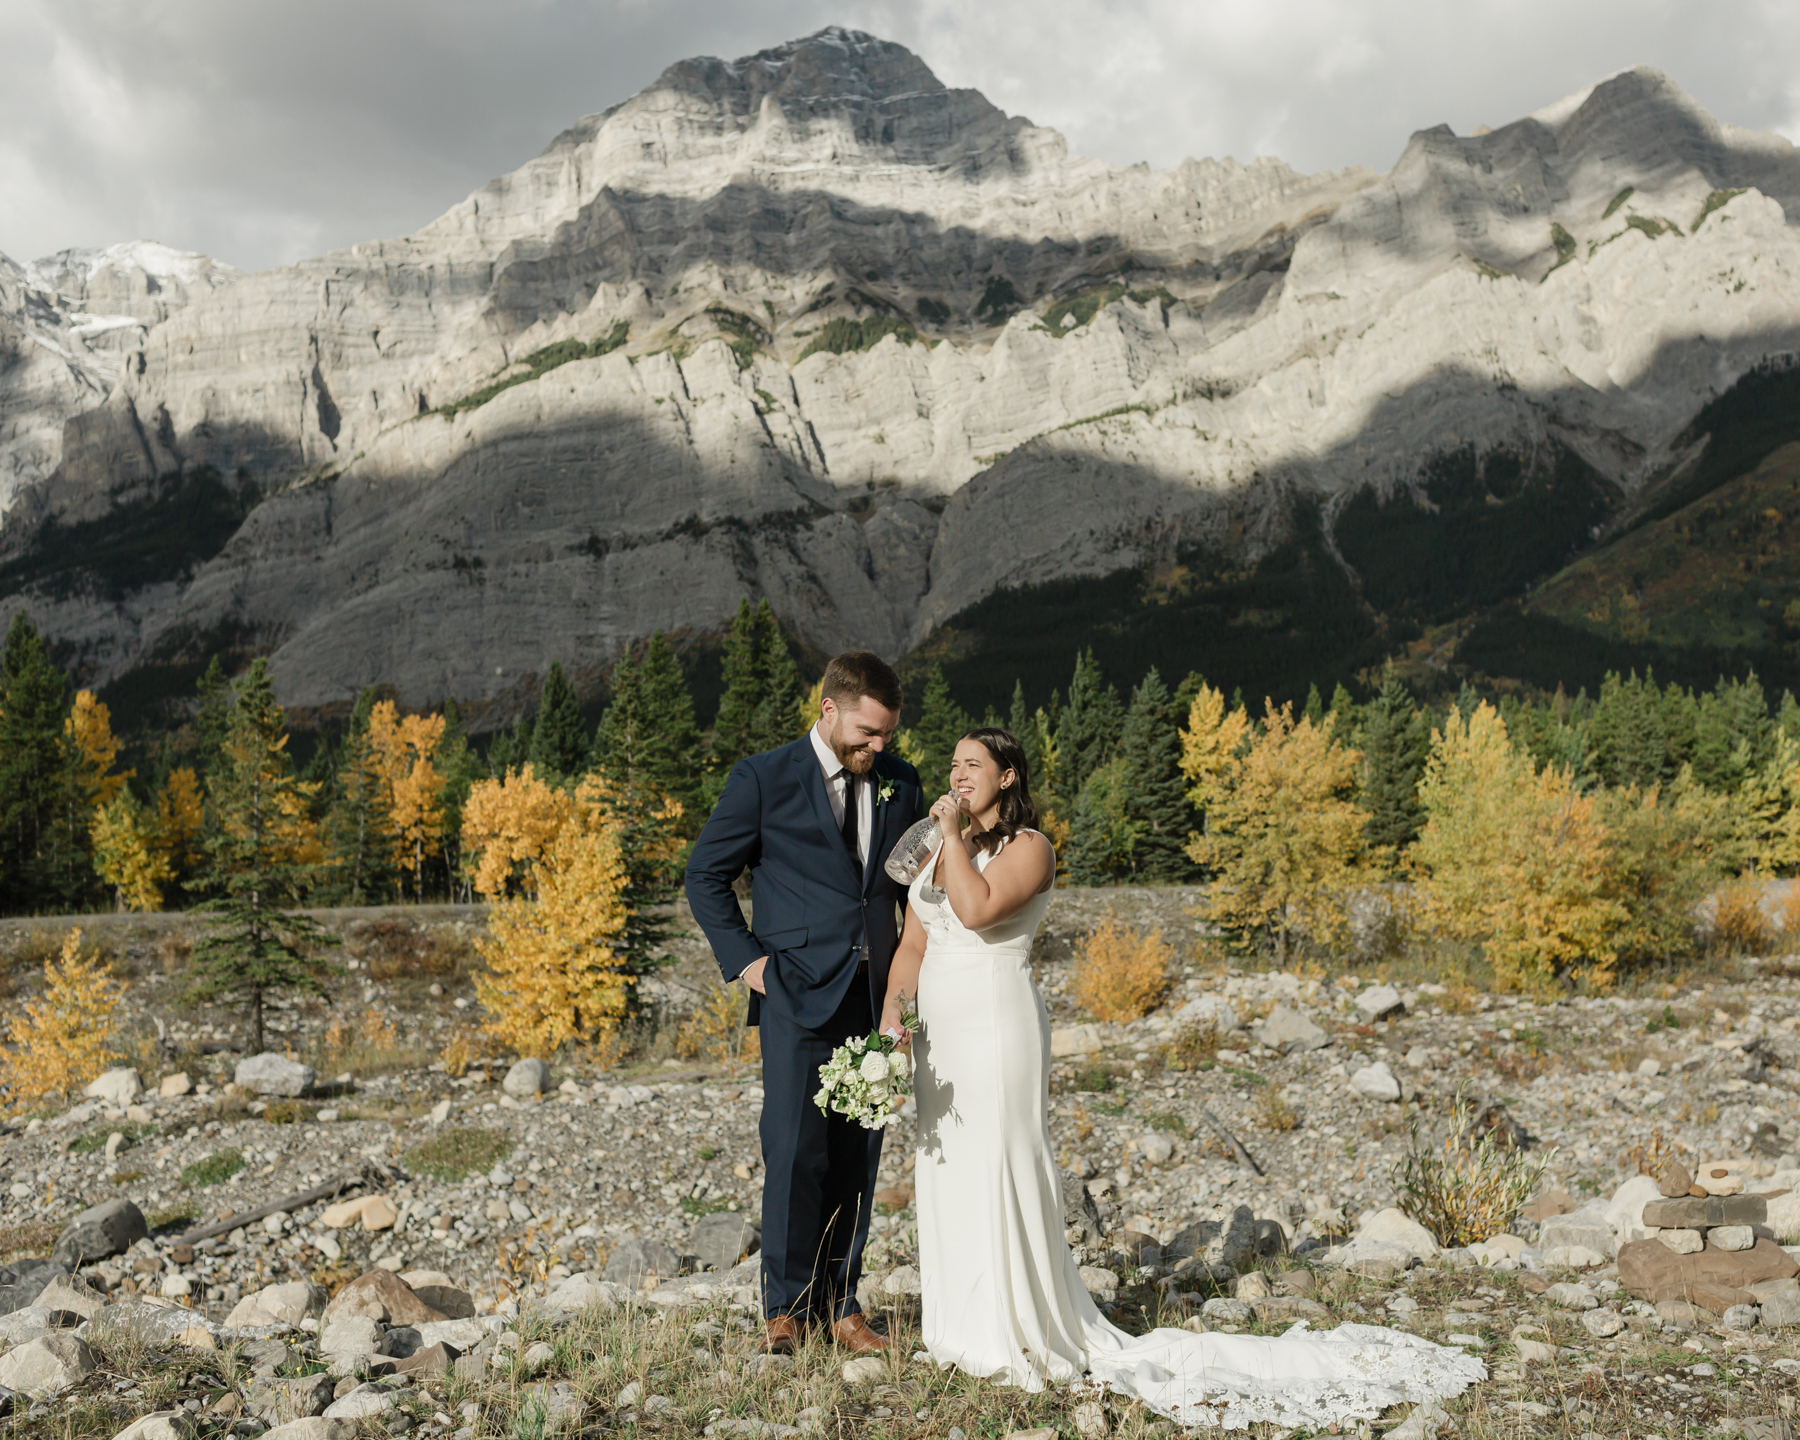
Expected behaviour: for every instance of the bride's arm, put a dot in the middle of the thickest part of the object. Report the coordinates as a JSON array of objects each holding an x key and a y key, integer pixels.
[
  {"x": 903, "y": 972},
  {"x": 982, "y": 898}
]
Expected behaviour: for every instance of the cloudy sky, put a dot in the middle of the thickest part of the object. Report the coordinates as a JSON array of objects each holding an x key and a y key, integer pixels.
[{"x": 260, "y": 133}]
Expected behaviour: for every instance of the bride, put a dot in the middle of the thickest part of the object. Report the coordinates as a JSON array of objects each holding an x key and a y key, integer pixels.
[{"x": 1002, "y": 1295}]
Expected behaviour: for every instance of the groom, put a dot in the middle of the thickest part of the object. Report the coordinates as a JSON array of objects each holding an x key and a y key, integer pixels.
[{"x": 813, "y": 821}]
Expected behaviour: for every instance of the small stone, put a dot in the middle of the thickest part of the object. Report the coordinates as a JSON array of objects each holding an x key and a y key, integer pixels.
[
  {"x": 1704, "y": 1212},
  {"x": 47, "y": 1366},
  {"x": 379, "y": 1213},
  {"x": 630, "y": 1397},
  {"x": 1379, "y": 1002},
  {"x": 1090, "y": 1420},
  {"x": 1102, "y": 1284},
  {"x": 864, "y": 1370},
  {"x": 176, "y": 1286},
  {"x": 1603, "y": 1324},
  {"x": 440, "y": 1112},
  {"x": 361, "y": 1403},
  {"x": 285, "y": 1304},
  {"x": 537, "y": 1356},
  {"x": 1376, "y": 1081},
  {"x": 527, "y": 1079},
  {"x": 1252, "y": 1285},
  {"x": 1393, "y": 1226},
  {"x": 1156, "y": 1147},
  {"x": 1674, "y": 1182},
  {"x": 1781, "y": 1309},
  {"x": 197, "y": 1337},
  {"x": 117, "y": 1087},
  {"x": 634, "y": 1258},
  {"x": 345, "y": 1213},
  {"x": 1649, "y": 1067},
  {"x": 1731, "y": 1237},
  {"x": 381, "y": 1295},
  {"x": 1223, "y": 1311},
  {"x": 1741, "y": 1317},
  {"x": 1572, "y": 1297},
  {"x": 903, "y": 1280},
  {"x": 1719, "y": 1181},
  {"x": 162, "y": 1425},
  {"x": 315, "y": 1427},
  {"x": 115, "y": 1142},
  {"x": 1067, "y": 1040},
  {"x": 272, "y": 1074},
  {"x": 71, "y": 1294},
  {"x": 723, "y": 1238},
  {"x": 1682, "y": 1242},
  {"x": 173, "y": 1087}
]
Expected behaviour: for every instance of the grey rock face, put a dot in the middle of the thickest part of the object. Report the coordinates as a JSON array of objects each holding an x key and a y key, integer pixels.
[
  {"x": 430, "y": 550},
  {"x": 110, "y": 1228},
  {"x": 527, "y": 1078},
  {"x": 634, "y": 1258},
  {"x": 272, "y": 1074},
  {"x": 721, "y": 1240}
]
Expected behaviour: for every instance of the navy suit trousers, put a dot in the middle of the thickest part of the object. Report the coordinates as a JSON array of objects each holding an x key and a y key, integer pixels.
[{"x": 819, "y": 1177}]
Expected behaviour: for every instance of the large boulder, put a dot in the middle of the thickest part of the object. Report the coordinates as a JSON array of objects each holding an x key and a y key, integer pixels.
[
  {"x": 1651, "y": 1271},
  {"x": 285, "y": 1304},
  {"x": 110, "y": 1228},
  {"x": 48, "y": 1365},
  {"x": 162, "y": 1425},
  {"x": 1380, "y": 1002},
  {"x": 527, "y": 1079},
  {"x": 1080, "y": 1212},
  {"x": 1376, "y": 1082},
  {"x": 583, "y": 1292},
  {"x": 117, "y": 1087},
  {"x": 316, "y": 1427},
  {"x": 634, "y": 1258},
  {"x": 23, "y": 1280},
  {"x": 272, "y": 1074},
  {"x": 1588, "y": 1228},
  {"x": 440, "y": 1292},
  {"x": 722, "y": 1239},
  {"x": 1625, "y": 1211},
  {"x": 1225, "y": 1240},
  {"x": 1289, "y": 1032},
  {"x": 1394, "y": 1226},
  {"x": 383, "y": 1296}
]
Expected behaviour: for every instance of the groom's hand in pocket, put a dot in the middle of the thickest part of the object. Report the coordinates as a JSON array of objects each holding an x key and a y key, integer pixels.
[{"x": 752, "y": 975}]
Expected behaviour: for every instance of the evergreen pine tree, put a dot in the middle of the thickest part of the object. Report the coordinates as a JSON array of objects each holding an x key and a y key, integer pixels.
[
  {"x": 619, "y": 739},
  {"x": 1091, "y": 719},
  {"x": 508, "y": 749},
  {"x": 559, "y": 740},
  {"x": 762, "y": 689},
  {"x": 1155, "y": 794},
  {"x": 941, "y": 723},
  {"x": 32, "y": 706},
  {"x": 252, "y": 947},
  {"x": 357, "y": 825},
  {"x": 1396, "y": 740},
  {"x": 1315, "y": 705},
  {"x": 672, "y": 756},
  {"x": 1630, "y": 745},
  {"x": 1103, "y": 837},
  {"x": 214, "y": 691},
  {"x": 1020, "y": 721}
]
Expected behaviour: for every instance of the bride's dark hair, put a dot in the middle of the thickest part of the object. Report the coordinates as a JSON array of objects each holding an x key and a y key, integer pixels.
[{"x": 1016, "y": 809}]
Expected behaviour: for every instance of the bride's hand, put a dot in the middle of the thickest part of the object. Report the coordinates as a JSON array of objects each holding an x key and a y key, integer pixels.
[
  {"x": 949, "y": 815},
  {"x": 890, "y": 1024}
]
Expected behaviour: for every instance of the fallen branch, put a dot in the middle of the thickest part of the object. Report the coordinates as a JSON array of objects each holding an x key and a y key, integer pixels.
[
  {"x": 327, "y": 1191},
  {"x": 1243, "y": 1155}
]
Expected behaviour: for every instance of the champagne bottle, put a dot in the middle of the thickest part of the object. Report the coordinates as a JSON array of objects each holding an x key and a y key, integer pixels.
[{"x": 913, "y": 851}]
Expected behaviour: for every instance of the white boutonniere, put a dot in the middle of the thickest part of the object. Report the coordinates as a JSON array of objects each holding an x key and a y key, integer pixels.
[{"x": 885, "y": 792}]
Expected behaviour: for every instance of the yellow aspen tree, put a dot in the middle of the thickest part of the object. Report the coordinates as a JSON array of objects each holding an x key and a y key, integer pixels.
[
  {"x": 806, "y": 712},
  {"x": 1515, "y": 859},
  {"x": 180, "y": 819},
  {"x": 64, "y": 1038},
  {"x": 126, "y": 855},
  {"x": 405, "y": 749},
  {"x": 1281, "y": 833},
  {"x": 506, "y": 825},
  {"x": 1768, "y": 811},
  {"x": 554, "y": 963},
  {"x": 88, "y": 737}
]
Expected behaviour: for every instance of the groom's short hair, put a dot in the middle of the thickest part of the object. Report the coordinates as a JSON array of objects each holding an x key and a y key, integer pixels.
[{"x": 857, "y": 673}]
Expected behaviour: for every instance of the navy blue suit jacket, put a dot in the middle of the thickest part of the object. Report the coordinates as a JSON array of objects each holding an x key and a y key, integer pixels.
[{"x": 814, "y": 908}]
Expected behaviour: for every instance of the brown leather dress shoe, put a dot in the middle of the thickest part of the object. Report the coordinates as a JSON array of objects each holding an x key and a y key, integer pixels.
[
  {"x": 781, "y": 1335},
  {"x": 853, "y": 1333}
]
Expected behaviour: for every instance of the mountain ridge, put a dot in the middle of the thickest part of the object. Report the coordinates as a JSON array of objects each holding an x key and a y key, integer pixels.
[{"x": 1055, "y": 369}]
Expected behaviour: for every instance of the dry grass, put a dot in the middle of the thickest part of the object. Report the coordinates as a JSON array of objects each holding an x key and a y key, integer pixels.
[
  {"x": 370, "y": 1044},
  {"x": 716, "y": 1030},
  {"x": 1273, "y": 1112},
  {"x": 400, "y": 950},
  {"x": 1470, "y": 1186},
  {"x": 1194, "y": 1045},
  {"x": 1122, "y": 973}
]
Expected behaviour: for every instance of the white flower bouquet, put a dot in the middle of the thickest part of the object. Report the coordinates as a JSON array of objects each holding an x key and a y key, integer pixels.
[{"x": 868, "y": 1078}]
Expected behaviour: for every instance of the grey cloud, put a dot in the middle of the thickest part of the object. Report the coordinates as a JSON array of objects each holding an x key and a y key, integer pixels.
[{"x": 260, "y": 133}]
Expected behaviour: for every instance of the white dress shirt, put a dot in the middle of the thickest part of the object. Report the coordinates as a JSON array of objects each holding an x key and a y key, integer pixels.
[{"x": 836, "y": 778}]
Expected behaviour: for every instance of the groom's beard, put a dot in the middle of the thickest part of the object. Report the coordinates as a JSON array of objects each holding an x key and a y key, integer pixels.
[{"x": 858, "y": 760}]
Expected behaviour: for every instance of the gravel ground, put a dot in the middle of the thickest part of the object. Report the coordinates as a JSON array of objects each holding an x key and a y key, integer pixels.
[{"x": 555, "y": 1186}]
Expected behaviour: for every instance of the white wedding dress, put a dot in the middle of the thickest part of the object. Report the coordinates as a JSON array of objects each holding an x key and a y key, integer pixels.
[{"x": 1002, "y": 1295}]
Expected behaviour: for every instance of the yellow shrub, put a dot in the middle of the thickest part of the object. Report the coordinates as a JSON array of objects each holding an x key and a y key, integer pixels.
[
  {"x": 126, "y": 855},
  {"x": 464, "y": 1047},
  {"x": 1740, "y": 927},
  {"x": 1122, "y": 973},
  {"x": 64, "y": 1039},
  {"x": 716, "y": 1030}
]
